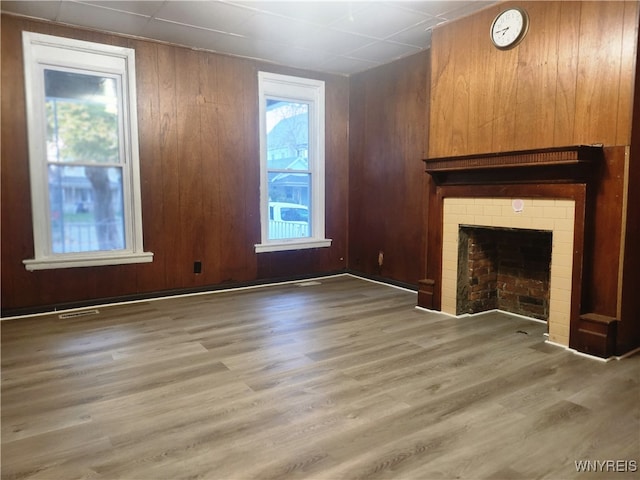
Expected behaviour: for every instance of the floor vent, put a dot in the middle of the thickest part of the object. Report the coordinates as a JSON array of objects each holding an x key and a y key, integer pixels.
[{"x": 83, "y": 313}]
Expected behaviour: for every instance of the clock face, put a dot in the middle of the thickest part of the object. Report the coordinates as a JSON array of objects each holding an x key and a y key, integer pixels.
[{"x": 509, "y": 28}]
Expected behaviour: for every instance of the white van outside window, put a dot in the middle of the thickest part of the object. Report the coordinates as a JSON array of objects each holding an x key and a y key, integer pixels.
[{"x": 288, "y": 220}]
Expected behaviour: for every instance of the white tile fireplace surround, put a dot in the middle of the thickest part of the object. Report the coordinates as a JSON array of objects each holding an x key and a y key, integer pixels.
[{"x": 556, "y": 216}]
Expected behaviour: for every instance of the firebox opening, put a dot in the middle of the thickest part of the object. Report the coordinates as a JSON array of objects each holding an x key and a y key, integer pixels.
[{"x": 504, "y": 268}]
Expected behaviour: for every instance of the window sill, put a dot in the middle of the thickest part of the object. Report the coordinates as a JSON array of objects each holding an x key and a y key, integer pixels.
[
  {"x": 295, "y": 244},
  {"x": 72, "y": 261}
]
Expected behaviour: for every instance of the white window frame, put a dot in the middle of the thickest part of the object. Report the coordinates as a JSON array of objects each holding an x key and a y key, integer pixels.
[
  {"x": 303, "y": 90},
  {"x": 41, "y": 51}
]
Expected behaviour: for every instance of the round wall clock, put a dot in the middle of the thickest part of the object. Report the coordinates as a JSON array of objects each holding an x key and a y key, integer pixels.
[{"x": 509, "y": 28}]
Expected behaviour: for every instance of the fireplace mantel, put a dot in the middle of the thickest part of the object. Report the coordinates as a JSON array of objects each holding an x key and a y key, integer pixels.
[
  {"x": 574, "y": 173},
  {"x": 573, "y": 164}
]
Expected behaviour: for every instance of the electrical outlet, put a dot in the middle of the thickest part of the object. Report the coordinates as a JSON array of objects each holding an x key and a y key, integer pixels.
[
  {"x": 380, "y": 258},
  {"x": 197, "y": 266}
]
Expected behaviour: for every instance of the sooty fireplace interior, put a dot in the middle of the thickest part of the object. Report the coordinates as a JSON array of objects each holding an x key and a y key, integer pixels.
[{"x": 504, "y": 268}]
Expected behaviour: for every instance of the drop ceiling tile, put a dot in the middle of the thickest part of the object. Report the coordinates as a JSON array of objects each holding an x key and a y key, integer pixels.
[
  {"x": 236, "y": 45},
  {"x": 213, "y": 15},
  {"x": 434, "y": 7},
  {"x": 443, "y": 8},
  {"x": 379, "y": 20},
  {"x": 418, "y": 36},
  {"x": 382, "y": 52},
  {"x": 101, "y": 18},
  {"x": 184, "y": 35},
  {"x": 147, "y": 7},
  {"x": 336, "y": 42},
  {"x": 47, "y": 10},
  {"x": 346, "y": 66},
  {"x": 320, "y": 13},
  {"x": 299, "y": 57},
  {"x": 295, "y": 33},
  {"x": 463, "y": 9}
]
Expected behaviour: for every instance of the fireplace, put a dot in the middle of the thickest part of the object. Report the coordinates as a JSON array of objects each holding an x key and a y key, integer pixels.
[
  {"x": 546, "y": 190},
  {"x": 555, "y": 216},
  {"x": 504, "y": 268}
]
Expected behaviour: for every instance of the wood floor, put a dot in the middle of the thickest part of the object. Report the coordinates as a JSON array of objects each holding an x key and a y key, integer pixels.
[{"x": 336, "y": 379}]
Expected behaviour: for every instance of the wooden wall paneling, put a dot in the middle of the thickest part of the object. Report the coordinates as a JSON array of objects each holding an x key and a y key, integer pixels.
[
  {"x": 441, "y": 95},
  {"x": 388, "y": 118},
  {"x": 504, "y": 101},
  {"x": 292, "y": 263},
  {"x": 362, "y": 113},
  {"x": 434, "y": 242},
  {"x": 428, "y": 190},
  {"x": 598, "y": 84},
  {"x": 412, "y": 103},
  {"x": 337, "y": 171},
  {"x": 601, "y": 293},
  {"x": 151, "y": 276},
  {"x": 374, "y": 171},
  {"x": 567, "y": 64},
  {"x": 371, "y": 224},
  {"x": 356, "y": 200},
  {"x": 168, "y": 189},
  {"x": 15, "y": 199},
  {"x": 582, "y": 218},
  {"x": 629, "y": 326},
  {"x": 481, "y": 84},
  {"x": 536, "y": 77},
  {"x": 567, "y": 83},
  {"x": 250, "y": 173},
  {"x": 383, "y": 162},
  {"x": 234, "y": 95},
  {"x": 190, "y": 238},
  {"x": 627, "y": 71},
  {"x": 387, "y": 163},
  {"x": 428, "y": 186},
  {"x": 628, "y": 335},
  {"x": 461, "y": 90},
  {"x": 212, "y": 219}
]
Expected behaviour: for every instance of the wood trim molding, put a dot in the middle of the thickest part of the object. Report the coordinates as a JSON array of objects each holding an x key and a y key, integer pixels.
[{"x": 572, "y": 164}]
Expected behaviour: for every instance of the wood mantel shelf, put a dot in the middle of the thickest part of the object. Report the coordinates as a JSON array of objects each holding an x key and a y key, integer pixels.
[{"x": 562, "y": 164}]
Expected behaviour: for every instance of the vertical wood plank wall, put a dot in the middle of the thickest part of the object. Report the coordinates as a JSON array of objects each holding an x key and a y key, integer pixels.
[
  {"x": 198, "y": 127},
  {"x": 630, "y": 303},
  {"x": 387, "y": 136},
  {"x": 569, "y": 82}
]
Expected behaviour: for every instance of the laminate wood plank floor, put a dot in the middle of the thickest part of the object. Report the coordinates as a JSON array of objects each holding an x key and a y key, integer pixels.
[{"x": 339, "y": 378}]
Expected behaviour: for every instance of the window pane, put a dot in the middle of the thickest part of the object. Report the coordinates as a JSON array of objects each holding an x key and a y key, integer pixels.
[
  {"x": 86, "y": 209},
  {"x": 82, "y": 117},
  {"x": 287, "y": 135},
  {"x": 289, "y": 205}
]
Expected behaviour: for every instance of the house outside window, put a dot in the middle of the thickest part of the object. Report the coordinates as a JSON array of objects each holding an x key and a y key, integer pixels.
[
  {"x": 83, "y": 153},
  {"x": 291, "y": 163}
]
